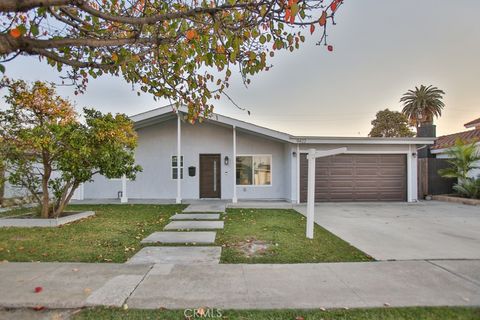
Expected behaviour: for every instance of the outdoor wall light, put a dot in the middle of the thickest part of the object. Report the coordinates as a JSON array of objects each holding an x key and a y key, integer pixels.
[
  {"x": 414, "y": 154},
  {"x": 294, "y": 154},
  {"x": 226, "y": 160}
]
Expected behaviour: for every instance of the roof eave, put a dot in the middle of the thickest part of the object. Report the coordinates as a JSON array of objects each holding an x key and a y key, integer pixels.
[
  {"x": 360, "y": 140},
  {"x": 150, "y": 117}
]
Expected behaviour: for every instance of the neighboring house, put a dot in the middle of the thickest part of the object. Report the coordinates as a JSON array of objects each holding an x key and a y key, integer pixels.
[
  {"x": 443, "y": 143},
  {"x": 225, "y": 158}
]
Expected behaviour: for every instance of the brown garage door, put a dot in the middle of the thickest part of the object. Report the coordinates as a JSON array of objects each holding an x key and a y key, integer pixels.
[{"x": 357, "y": 177}]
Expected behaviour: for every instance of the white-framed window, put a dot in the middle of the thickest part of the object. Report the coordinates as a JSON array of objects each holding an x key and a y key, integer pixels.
[
  {"x": 254, "y": 170},
  {"x": 175, "y": 167}
]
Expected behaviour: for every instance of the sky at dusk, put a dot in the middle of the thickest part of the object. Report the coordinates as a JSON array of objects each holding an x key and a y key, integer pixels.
[{"x": 381, "y": 49}]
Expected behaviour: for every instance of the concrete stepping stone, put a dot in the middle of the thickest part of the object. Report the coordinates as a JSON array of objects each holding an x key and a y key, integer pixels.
[
  {"x": 200, "y": 237},
  {"x": 196, "y": 216},
  {"x": 205, "y": 207},
  {"x": 191, "y": 225},
  {"x": 177, "y": 255}
]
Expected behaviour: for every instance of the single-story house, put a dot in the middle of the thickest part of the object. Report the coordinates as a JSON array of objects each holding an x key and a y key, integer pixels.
[
  {"x": 444, "y": 143},
  {"x": 225, "y": 158}
]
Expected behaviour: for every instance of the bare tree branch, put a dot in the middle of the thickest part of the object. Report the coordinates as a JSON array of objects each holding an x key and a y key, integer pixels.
[
  {"x": 72, "y": 63},
  {"x": 163, "y": 17},
  {"x": 25, "y": 5},
  {"x": 24, "y": 43}
]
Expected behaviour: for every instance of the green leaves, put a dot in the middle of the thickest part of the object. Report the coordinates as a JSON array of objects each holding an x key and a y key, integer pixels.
[
  {"x": 34, "y": 30},
  {"x": 390, "y": 124},
  {"x": 294, "y": 9},
  {"x": 167, "y": 43},
  {"x": 463, "y": 158},
  {"x": 41, "y": 133}
]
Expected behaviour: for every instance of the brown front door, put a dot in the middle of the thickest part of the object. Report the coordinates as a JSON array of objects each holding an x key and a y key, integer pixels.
[{"x": 210, "y": 181}]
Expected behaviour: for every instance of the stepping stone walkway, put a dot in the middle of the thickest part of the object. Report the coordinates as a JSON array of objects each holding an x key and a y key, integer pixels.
[
  {"x": 199, "y": 237},
  {"x": 177, "y": 255},
  {"x": 203, "y": 216},
  {"x": 196, "y": 216},
  {"x": 205, "y": 206},
  {"x": 191, "y": 225}
]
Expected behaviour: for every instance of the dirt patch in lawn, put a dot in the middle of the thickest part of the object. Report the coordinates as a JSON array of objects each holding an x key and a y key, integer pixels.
[{"x": 251, "y": 248}]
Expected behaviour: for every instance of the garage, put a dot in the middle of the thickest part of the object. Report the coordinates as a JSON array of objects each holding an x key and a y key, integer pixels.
[{"x": 357, "y": 177}]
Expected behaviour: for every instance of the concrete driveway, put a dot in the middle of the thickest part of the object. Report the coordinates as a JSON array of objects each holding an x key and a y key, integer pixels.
[{"x": 404, "y": 231}]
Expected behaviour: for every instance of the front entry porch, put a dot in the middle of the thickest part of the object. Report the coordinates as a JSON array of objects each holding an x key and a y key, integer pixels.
[{"x": 201, "y": 205}]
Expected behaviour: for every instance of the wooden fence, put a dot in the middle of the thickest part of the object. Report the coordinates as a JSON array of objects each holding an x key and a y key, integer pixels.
[{"x": 429, "y": 181}]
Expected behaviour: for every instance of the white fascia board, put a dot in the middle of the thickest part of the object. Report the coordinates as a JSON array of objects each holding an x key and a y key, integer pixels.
[
  {"x": 151, "y": 113},
  {"x": 355, "y": 140}
]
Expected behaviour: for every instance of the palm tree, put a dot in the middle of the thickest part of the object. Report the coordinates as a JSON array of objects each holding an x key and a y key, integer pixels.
[{"x": 422, "y": 104}]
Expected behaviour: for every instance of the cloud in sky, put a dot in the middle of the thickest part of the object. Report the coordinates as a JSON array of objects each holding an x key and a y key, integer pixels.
[{"x": 381, "y": 49}]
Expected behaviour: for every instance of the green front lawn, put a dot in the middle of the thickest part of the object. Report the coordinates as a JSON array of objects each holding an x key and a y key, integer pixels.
[
  {"x": 284, "y": 233},
  {"x": 438, "y": 313},
  {"x": 16, "y": 212},
  {"x": 113, "y": 235}
]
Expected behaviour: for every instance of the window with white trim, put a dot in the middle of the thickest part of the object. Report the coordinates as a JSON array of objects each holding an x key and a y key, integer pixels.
[
  {"x": 175, "y": 167},
  {"x": 255, "y": 170}
]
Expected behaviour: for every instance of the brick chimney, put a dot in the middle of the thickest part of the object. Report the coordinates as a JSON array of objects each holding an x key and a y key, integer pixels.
[{"x": 426, "y": 130}]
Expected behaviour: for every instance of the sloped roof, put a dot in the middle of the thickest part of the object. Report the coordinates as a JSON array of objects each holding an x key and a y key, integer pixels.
[
  {"x": 449, "y": 140},
  {"x": 164, "y": 113},
  {"x": 149, "y": 117},
  {"x": 473, "y": 123}
]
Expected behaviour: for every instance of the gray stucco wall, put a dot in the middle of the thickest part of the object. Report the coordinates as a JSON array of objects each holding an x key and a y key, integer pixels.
[
  {"x": 158, "y": 143},
  {"x": 13, "y": 192},
  {"x": 102, "y": 188}
]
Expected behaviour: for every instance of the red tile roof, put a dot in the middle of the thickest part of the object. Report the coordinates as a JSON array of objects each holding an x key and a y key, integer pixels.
[
  {"x": 449, "y": 140},
  {"x": 472, "y": 123}
]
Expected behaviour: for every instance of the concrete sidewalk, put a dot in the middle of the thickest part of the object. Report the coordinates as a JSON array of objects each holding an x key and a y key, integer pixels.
[{"x": 327, "y": 285}]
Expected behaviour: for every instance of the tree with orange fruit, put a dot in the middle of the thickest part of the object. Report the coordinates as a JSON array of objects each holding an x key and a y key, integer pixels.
[
  {"x": 182, "y": 50},
  {"x": 49, "y": 152}
]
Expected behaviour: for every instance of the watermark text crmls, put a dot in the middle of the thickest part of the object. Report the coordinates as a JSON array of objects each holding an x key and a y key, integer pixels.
[{"x": 198, "y": 313}]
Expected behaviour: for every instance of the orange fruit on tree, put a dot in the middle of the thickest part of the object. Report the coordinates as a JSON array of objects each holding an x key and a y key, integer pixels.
[
  {"x": 191, "y": 34},
  {"x": 15, "y": 33}
]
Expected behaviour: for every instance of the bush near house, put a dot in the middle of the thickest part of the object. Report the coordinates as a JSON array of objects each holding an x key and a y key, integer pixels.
[
  {"x": 463, "y": 158},
  {"x": 49, "y": 152}
]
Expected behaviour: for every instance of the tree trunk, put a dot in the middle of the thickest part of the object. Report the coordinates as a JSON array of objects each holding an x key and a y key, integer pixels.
[
  {"x": 65, "y": 199},
  {"x": 2, "y": 181},
  {"x": 45, "y": 197}
]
